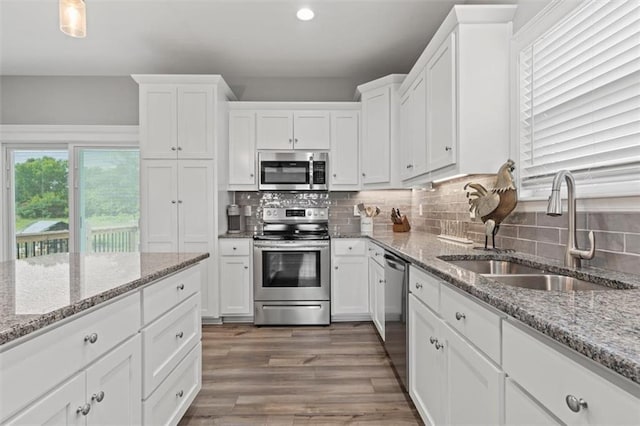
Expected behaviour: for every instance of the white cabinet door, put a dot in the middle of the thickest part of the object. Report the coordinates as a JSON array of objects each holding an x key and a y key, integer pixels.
[
  {"x": 345, "y": 134},
  {"x": 521, "y": 410},
  {"x": 158, "y": 206},
  {"x": 274, "y": 130},
  {"x": 426, "y": 363},
  {"x": 195, "y": 121},
  {"x": 406, "y": 138},
  {"x": 349, "y": 289},
  {"x": 236, "y": 289},
  {"x": 442, "y": 106},
  {"x": 474, "y": 386},
  {"x": 312, "y": 130},
  {"x": 158, "y": 125},
  {"x": 195, "y": 201},
  {"x": 58, "y": 407},
  {"x": 114, "y": 386},
  {"x": 242, "y": 148},
  {"x": 376, "y": 277},
  {"x": 417, "y": 124},
  {"x": 376, "y": 136}
]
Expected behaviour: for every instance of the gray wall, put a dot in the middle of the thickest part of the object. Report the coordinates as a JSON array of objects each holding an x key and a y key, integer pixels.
[{"x": 68, "y": 100}]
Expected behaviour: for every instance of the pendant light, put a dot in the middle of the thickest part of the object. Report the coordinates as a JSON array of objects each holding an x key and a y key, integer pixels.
[{"x": 73, "y": 18}]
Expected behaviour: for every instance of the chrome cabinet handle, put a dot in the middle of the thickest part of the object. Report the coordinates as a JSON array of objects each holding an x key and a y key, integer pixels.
[
  {"x": 439, "y": 345},
  {"x": 97, "y": 397},
  {"x": 381, "y": 281},
  {"x": 335, "y": 175},
  {"x": 179, "y": 148},
  {"x": 290, "y": 140},
  {"x": 447, "y": 148},
  {"x": 84, "y": 409},
  {"x": 179, "y": 393},
  {"x": 460, "y": 316},
  {"x": 295, "y": 140},
  {"x": 180, "y": 287},
  {"x": 173, "y": 201},
  {"x": 173, "y": 148},
  {"x": 409, "y": 166},
  {"x": 91, "y": 338},
  {"x": 179, "y": 335},
  {"x": 251, "y": 175},
  {"x": 179, "y": 201},
  {"x": 575, "y": 403},
  {"x": 418, "y": 285},
  {"x": 235, "y": 248},
  {"x": 363, "y": 175},
  {"x": 246, "y": 267},
  {"x": 335, "y": 267},
  {"x": 432, "y": 340},
  {"x": 350, "y": 248}
]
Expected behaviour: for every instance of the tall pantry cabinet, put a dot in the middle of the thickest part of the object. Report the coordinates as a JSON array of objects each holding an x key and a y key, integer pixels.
[{"x": 183, "y": 126}]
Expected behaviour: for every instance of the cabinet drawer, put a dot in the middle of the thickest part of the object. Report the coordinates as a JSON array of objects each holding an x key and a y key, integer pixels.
[
  {"x": 170, "y": 401},
  {"x": 66, "y": 351},
  {"x": 166, "y": 341},
  {"x": 349, "y": 247},
  {"x": 167, "y": 293},
  {"x": 475, "y": 322},
  {"x": 235, "y": 247},
  {"x": 550, "y": 376},
  {"x": 425, "y": 287},
  {"x": 376, "y": 253},
  {"x": 520, "y": 409}
]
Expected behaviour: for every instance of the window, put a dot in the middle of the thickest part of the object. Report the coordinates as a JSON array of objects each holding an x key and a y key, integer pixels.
[
  {"x": 579, "y": 101},
  {"x": 65, "y": 198}
]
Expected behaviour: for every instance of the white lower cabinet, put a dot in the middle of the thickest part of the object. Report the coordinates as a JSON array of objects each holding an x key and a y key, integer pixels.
[
  {"x": 236, "y": 277},
  {"x": 376, "y": 290},
  {"x": 574, "y": 393},
  {"x": 106, "y": 393},
  {"x": 522, "y": 410},
  {"x": 349, "y": 289}
]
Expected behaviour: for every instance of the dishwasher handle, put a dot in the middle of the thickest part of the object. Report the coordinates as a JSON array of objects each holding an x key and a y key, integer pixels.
[{"x": 393, "y": 263}]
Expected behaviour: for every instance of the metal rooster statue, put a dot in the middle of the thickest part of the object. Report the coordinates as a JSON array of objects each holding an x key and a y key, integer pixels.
[{"x": 495, "y": 205}]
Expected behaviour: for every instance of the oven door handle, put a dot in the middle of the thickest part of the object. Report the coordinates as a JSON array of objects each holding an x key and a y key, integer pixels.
[{"x": 291, "y": 247}]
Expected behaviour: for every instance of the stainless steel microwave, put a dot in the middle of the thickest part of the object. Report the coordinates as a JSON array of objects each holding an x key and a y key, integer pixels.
[{"x": 293, "y": 171}]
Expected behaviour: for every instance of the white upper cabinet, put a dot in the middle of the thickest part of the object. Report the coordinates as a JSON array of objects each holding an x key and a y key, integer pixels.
[
  {"x": 441, "y": 106},
  {"x": 380, "y": 133},
  {"x": 413, "y": 140},
  {"x": 465, "y": 69},
  {"x": 274, "y": 130},
  {"x": 242, "y": 150},
  {"x": 176, "y": 121},
  {"x": 345, "y": 132},
  {"x": 284, "y": 130}
]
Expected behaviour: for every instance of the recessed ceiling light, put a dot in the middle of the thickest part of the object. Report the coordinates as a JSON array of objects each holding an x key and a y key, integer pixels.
[{"x": 305, "y": 14}]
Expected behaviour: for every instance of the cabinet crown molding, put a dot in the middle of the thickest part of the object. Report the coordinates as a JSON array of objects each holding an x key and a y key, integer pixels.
[
  {"x": 293, "y": 106},
  {"x": 214, "y": 79},
  {"x": 378, "y": 83}
]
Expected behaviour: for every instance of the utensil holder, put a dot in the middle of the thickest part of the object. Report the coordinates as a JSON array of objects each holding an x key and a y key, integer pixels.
[
  {"x": 402, "y": 227},
  {"x": 366, "y": 225}
]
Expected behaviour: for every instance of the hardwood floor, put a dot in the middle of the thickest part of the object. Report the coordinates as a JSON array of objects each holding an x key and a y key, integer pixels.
[{"x": 338, "y": 374}]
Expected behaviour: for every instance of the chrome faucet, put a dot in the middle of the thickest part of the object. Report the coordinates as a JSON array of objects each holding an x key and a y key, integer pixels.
[{"x": 572, "y": 254}]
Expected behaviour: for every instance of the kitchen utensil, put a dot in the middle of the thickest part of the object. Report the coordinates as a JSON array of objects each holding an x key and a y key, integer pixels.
[
  {"x": 377, "y": 212},
  {"x": 369, "y": 211},
  {"x": 394, "y": 218},
  {"x": 361, "y": 209}
]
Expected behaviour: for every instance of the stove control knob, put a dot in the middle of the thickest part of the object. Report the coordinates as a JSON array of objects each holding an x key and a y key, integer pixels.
[
  {"x": 275, "y": 212},
  {"x": 321, "y": 212},
  {"x": 268, "y": 213},
  {"x": 309, "y": 213}
]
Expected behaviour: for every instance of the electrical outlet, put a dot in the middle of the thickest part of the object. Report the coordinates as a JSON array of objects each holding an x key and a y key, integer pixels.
[
  {"x": 420, "y": 209},
  {"x": 356, "y": 212}
]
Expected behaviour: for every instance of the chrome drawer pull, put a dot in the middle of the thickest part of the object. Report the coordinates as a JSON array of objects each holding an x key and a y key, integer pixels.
[
  {"x": 98, "y": 397},
  {"x": 180, "y": 287},
  {"x": 180, "y": 393},
  {"x": 91, "y": 338},
  {"x": 84, "y": 409},
  {"x": 179, "y": 335},
  {"x": 432, "y": 340},
  {"x": 418, "y": 285},
  {"x": 438, "y": 345},
  {"x": 460, "y": 316},
  {"x": 575, "y": 404}
]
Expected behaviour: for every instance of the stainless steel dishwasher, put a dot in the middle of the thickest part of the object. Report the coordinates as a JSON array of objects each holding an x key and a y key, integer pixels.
[{"x": 396, "y": 296}]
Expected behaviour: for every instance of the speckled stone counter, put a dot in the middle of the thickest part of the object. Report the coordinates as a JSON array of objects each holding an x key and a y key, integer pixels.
[
  {"x": 603, "y": 325},
  {"x": 39, "y": 291},
  {"x": 246, "y": 234}
]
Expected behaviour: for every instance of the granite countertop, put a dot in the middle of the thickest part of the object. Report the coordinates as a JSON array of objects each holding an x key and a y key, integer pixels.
[
  {"x": 245, "y": 234},
  {"x": 602, "y": 325},
  {"x": 39, "y": 291}
]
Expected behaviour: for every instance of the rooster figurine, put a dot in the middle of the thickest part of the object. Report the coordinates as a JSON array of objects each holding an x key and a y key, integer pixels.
[{"x": 495, "y": 205}]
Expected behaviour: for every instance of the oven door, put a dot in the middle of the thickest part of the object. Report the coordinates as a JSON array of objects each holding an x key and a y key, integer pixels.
[{"x": 291, "y": 270}]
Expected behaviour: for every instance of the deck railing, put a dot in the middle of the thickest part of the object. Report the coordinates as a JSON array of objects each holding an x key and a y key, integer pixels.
[{"x": 107, "y": 239}]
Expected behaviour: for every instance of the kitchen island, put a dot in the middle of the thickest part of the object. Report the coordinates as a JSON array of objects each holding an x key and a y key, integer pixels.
[{"x": 91, "y": 334}]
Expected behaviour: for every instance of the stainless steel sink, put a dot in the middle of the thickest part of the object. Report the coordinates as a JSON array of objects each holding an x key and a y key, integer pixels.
[
  {"x": 547, "y": 282},
  {"x": 502, "y": 267}
]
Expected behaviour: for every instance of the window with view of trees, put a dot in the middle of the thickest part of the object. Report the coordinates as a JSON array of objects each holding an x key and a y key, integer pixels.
[{"x": 106, "y": 200}]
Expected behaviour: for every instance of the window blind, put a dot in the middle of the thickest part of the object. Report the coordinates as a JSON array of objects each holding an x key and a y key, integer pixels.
[{"x": 580, "y": 98}]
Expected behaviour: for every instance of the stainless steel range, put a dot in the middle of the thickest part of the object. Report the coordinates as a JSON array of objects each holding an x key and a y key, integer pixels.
[{"x": 292, "y": 267}]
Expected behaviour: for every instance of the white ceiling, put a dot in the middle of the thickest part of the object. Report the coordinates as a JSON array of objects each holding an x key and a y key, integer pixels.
[{"x": 356, "y": 39}]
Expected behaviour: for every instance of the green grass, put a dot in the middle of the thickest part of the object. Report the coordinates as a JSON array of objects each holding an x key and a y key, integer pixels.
[{"x": 96, "y": 222}]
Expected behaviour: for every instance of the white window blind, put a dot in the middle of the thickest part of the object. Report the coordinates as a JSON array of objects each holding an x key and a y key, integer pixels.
[{"x": 580, "y": 100}]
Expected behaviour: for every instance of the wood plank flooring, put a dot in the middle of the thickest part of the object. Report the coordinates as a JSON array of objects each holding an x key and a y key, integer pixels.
[{"x": 331, "y": 375}]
